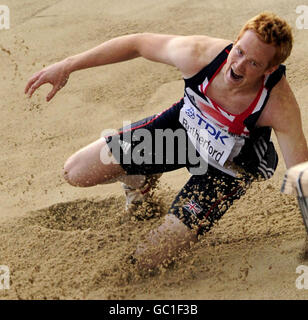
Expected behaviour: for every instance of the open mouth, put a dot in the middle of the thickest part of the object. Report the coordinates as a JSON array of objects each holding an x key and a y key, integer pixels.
[{"x": 235, "y": 76}]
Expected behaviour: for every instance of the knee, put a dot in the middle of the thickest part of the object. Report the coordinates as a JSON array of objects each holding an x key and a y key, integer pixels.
[
  {"x": 70, "y": 170},
  {"x": 79, "y": 171}
]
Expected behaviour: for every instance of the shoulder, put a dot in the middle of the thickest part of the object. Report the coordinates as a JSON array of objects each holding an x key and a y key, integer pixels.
[{"x": 193, "y": 53}]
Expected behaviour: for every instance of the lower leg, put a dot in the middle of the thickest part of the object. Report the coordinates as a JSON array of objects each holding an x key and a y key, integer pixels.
[
  {"x": 203, "y": 200},
  {"x": 164, "y": 243}
]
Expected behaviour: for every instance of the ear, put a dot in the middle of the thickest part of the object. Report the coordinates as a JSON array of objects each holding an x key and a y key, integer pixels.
[{"x": 271, "y": 70}]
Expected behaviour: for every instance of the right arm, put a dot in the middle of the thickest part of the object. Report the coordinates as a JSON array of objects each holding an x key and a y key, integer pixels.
[{"x": 188, "y": 53}]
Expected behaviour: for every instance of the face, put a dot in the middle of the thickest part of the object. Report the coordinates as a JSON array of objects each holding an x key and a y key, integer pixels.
[{"x": 248, "y": 61}]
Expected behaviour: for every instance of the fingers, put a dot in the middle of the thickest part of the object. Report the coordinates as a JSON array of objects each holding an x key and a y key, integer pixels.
[
  {"x": 55, "y": 89},
  {"x": 52, "y": 93},
  {"x": 33, "y": 84},
  {"x": 54, "y": 74},
  {"x": 32, "y": 80},
  {"x": 33, "y": 87}
]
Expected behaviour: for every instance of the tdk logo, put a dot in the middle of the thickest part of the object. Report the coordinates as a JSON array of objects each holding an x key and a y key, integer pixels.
[
  {"x": 211, "y": 130},
  {"x": 190, "y": 112}
]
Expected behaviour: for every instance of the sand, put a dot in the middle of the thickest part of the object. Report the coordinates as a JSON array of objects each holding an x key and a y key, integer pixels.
[{"x": 62, "y": 242}]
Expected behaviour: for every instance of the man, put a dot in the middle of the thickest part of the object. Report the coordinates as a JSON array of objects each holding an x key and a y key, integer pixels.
[{"x": 234, "y": 94}]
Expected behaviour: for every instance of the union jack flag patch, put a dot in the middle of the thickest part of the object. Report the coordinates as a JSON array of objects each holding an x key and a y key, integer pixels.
[{"x": 193, "y": 207}]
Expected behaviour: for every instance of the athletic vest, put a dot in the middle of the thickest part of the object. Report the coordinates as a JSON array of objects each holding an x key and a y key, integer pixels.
[{"x": 217, "y": 134}]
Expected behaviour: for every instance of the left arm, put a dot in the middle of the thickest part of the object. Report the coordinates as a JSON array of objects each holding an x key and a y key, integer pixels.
[
  {"x": 283, "y": 115},
  {"x": 293, "y": 145}
]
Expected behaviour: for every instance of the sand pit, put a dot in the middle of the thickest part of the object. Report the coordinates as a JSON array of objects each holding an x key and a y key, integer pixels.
[{"x": 62, "y": 242}]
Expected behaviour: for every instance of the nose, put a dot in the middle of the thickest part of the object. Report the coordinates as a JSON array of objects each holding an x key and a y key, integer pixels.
[{"x": 241, "y": 65}]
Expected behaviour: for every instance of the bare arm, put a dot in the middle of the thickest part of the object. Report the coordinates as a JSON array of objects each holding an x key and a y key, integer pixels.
[
  {"x": 294, "y": 149},
  {"x": 283, "y": 115},
  {"x": 150, "y": 46},
  {"x": 187, "y": 53}
]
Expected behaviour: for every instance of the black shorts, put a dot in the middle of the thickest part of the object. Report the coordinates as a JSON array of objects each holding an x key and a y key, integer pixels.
[
  {"x": 156, "y": 144},
  {"x": 208, "y": 193}
]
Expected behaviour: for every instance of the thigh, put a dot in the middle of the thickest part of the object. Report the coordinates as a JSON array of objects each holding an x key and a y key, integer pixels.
[{"x": 205, "y": 198}]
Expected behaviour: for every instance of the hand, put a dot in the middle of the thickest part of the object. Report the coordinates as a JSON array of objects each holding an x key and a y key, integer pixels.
[{"x": 56, "y": 74}]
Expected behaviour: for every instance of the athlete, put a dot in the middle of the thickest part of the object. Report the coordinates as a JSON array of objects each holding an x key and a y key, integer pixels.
[{"x": 235, "y": 94}]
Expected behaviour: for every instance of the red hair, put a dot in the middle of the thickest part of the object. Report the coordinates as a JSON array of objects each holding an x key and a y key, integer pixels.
[{"x": 274, "y": 30}]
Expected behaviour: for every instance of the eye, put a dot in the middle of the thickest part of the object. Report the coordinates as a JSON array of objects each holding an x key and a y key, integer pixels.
[
  {"x": 253, "y": 63},
  {"x": 239, "y": 51}
]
